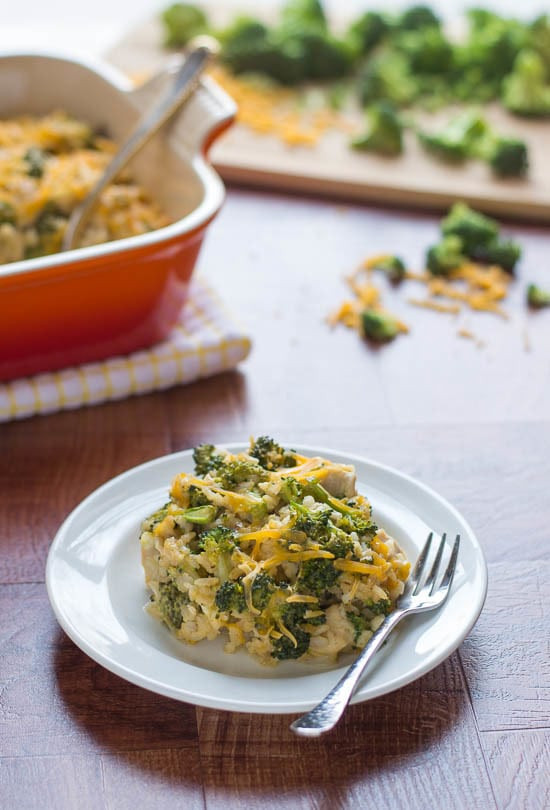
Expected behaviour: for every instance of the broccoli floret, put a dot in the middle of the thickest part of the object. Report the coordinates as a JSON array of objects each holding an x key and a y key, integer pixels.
[
  {"x": 379, "y": 326},
  {"x": 200, "y": 514},
  {"x": 526, "y": 91},
  {"x": 367, "y": 32},
  {"x": 507, "y": 157},
  {"x": 290, "y": 490},
  {"x": 474, "y": 229},
  {"x": 385, "y": 131},
  {"x": 182, "y": 22},
  {"x": 7, "y": 213},
  {"x": 317, "y": 577},
  {"x": 488, "y": 54},
  {"x": 359, "y": 624},
  {"x": 538, "y": 37},
  {"x": 427, "y": 51},
  {"x": 170, "y": 602},
  {"x": 230, "y": 597},
  {"x": 206, "y": 459},
  {"x": 339, "y": 544},
  {"x": 387, "y": 77},
  {"x": 537, "y": 297},
  {"x": 504, "y": 252},
  {"x": 382, "y": 607},
  {"x": 232, "y": 473},
  {"x": 218, "y": 544},
  {"x": 392, "y": 266},
  {"x": 358, "y": 523},
  {"x": 417, "y": 17},
  {"x": 262, "y": 588},
  {"x": 50, "y": 219},
  {"x": 316, "y": 524},
  {"x": 271, "y": 455},
  {"x": 445, "y": 256},
  {"x": 197, "y": 497},
  {"x": 304, "y": 13},
  {"x": 458, "y": 138},
  {"x": 35, "y": 159},
  {"x": 284, "y": 649}
]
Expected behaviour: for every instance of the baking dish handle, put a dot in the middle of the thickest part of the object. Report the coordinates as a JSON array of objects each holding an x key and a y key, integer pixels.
[{"x": 201, "y": 120}]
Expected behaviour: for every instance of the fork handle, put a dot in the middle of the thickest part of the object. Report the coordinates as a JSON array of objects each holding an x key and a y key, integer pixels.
[{"x": 327, "y": 713}]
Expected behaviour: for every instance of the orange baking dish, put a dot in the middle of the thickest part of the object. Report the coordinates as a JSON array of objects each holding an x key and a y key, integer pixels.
[{"x": 113, "y": 298}]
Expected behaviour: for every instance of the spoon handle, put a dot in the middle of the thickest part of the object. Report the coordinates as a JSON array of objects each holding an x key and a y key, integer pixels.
[{"x": 183, "y": 85}]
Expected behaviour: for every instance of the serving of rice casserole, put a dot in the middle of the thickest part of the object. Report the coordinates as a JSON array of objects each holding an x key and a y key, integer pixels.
[
  {"x": 273, "y": 549},
  {"x": 48, "y": 165}
]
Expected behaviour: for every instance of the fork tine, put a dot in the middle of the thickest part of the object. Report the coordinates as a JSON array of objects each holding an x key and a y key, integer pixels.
[
  {"x": 447, "y": 580},
  {"x": 418, "y": 570},
  {"x": 432, "y": 576}
]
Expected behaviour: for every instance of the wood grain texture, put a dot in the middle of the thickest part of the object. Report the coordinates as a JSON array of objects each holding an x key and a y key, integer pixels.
[
  {"x": 520, "y": 763},
  {"x": 44, "y": 783},
  {"x": 389, "y": 752},
  {"x": 507, "y": 655},
  {"x": 56, "y": 700}
]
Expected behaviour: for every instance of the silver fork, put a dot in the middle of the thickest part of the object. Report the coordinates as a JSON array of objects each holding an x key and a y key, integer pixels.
[{"x": 418, "y": 596}]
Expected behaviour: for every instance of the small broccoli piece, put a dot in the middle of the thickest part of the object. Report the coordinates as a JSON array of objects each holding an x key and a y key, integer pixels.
[
  {"x": 427, "y": 50},
  {"x": 339, "y": 544},
  {"x": 418, "y": 17},
  {"x": 182, "y": 22},
  {"x": 526, "y": 91},
  {"x": 458, "y": 139},
  {"x": 304, "y": 13},
  {"x": 200, "y": 514},
  {"x": 382, "y": 607},
  {"x": 284, "y": 649},
  {"x": 316, "y": 524},
  {"x": 290, "y": 490},
  {"x": 359, "y": 624},
  {"x": 218, "y": 544},
  {"x": 387, "y": 77},
  {"x": 317, "y": 576},
  {"x": 197, "y": 497},
  {"x": 232, "y": 473},
  {"x": 392, "y": 266},
  {"x": 230, "y": 597},
  {"x": 367, "y": 32},
  {"x": 504, "y": 252},
  {"x": 262, "y": 588},
  {"x": 35, "y": 159},
  {"x": 492, "y": 46},
  {"x": 206, "y": 459},
  {"x": 379, "y": 326},
  {"x": 50, "y": 219},
  {"x": 507, "y": 157},
  {"x": 385, "y": 131},
  {"x": 271, "y": 455},
  {"x": 537, "y": 297},
  {"x": 474, "y": 229},
  {"x": 538, "y": 38},
  {"x": 358, "y": 523},
  {"x": 170, "y": 603},
  {"x": 445, "y": 256},
  {"x": 7, "y": 213}
]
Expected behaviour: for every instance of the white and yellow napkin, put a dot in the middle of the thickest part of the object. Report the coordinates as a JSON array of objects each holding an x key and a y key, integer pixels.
[{"x": 205, "y": 341}]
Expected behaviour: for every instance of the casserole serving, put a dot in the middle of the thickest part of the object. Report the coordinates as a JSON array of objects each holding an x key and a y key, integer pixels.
[{"x": 119, "y": 296}]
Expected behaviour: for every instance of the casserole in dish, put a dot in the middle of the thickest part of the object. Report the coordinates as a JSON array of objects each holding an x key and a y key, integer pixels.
[{"x": 116, "y": 297}]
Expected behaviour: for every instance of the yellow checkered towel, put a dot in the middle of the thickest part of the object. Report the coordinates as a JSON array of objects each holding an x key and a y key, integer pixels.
[{"x": 205, "y": 341}]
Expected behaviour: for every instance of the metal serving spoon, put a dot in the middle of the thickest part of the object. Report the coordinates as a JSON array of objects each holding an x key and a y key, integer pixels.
[{"x": 185, "y": 82}]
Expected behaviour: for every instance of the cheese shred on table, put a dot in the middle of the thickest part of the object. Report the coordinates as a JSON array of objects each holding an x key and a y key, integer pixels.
[{"x": 291, "y": 567}]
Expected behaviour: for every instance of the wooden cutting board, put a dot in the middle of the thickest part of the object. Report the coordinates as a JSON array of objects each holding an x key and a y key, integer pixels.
[{"x": 331, "y": 168}]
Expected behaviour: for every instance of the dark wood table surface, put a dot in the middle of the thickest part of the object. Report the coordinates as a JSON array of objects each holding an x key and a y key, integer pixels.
[{"x": 472, "y": 421}]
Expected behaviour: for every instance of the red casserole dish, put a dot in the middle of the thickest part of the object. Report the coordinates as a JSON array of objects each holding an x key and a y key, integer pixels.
[{"x": 113, "y": 298}]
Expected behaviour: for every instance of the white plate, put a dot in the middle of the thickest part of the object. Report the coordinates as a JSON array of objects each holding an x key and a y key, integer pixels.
[{"x": 96, "y": 588}]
